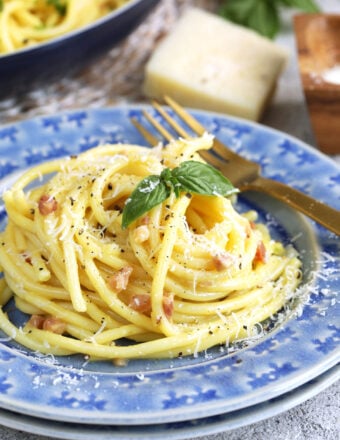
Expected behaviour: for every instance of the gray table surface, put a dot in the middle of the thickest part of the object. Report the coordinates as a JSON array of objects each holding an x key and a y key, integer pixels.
[{"x": 318, "y": 418}]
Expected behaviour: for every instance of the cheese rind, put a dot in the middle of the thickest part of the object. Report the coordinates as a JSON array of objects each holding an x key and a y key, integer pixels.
[{"x": 209, "y": 63}]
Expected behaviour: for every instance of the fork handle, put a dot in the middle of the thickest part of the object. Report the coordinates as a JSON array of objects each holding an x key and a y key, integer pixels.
[{"x": 318, "y": 211}]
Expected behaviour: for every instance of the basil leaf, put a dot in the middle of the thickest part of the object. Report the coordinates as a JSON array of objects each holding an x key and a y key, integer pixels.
[
  {"x": 149, "y": 193},
  {"x": 265, "y": 18},
  {"x": 303, "y": 5},
  {"x": 237, "y": 10},
  {"x": 191, "y": 176},
  {"x": 170, "y": 180},
  {"x": 201, "y": 178},
  {"x": 262, "y": 15}
]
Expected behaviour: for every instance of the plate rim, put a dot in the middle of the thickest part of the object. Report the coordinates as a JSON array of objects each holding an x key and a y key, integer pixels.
[{"x": 229, "y": 421}]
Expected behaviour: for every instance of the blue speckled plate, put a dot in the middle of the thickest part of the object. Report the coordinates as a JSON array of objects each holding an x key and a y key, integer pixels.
[
  {"x": 177, "y": 430},
  {"x": 300, "y": 347}
]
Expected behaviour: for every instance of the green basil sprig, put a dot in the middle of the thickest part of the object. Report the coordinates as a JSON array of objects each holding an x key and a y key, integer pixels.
[
  {"x": 59, "y": 5},
  {"x": 191, "y": 177},
  {"x": 263, "y": 16}
]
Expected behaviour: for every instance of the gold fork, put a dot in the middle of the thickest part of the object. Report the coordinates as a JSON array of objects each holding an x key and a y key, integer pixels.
[{"x": 243, "y": 173}]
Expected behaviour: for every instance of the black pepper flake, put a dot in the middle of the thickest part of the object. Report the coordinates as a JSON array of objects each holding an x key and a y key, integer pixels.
[
  {"x": 32, "y": 211},
  {"x": 73, "y": 156},
  {"x": 188, "y": 195},
  {"x": 72, "y": 200},
  {"x": 109, "y": 186}
]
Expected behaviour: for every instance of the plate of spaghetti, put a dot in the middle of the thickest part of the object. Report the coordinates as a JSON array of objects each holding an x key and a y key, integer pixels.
[
  {"x": 138, "y": 287},
  {"x": 44, "y": 39}
]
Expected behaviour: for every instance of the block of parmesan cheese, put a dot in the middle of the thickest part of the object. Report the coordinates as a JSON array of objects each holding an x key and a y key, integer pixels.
[{"x": 209, "y": 63}]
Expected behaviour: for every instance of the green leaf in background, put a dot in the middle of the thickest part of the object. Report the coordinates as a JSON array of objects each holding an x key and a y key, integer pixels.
[
  {"x": 303, "y": 5},
  {"x": 263, "y": 16},
  {"x": 237, "y": 10}
]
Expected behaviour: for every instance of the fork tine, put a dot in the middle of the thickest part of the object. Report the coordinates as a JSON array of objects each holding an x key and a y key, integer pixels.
[
  {"x": 219, "y": 148},
  {"x": 213, "y": 159},
  {"x": 149, "y": 137},
  {"x": 153, "y": 141},
  {"x": 190, "y": 121},
  {"x": 180, "y": 130},
  {"x": 165, "y": 133}
]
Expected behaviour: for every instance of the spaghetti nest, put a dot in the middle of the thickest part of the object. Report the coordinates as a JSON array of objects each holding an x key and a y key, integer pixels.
[
  {"x": 25, "y": 23},
  {"x": 189, "y": 274}
]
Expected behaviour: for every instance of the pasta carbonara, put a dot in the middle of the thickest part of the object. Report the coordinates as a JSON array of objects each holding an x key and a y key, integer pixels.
[
  {"x": 189, "y": 274},
  {"x": 25, "y": 23}
]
